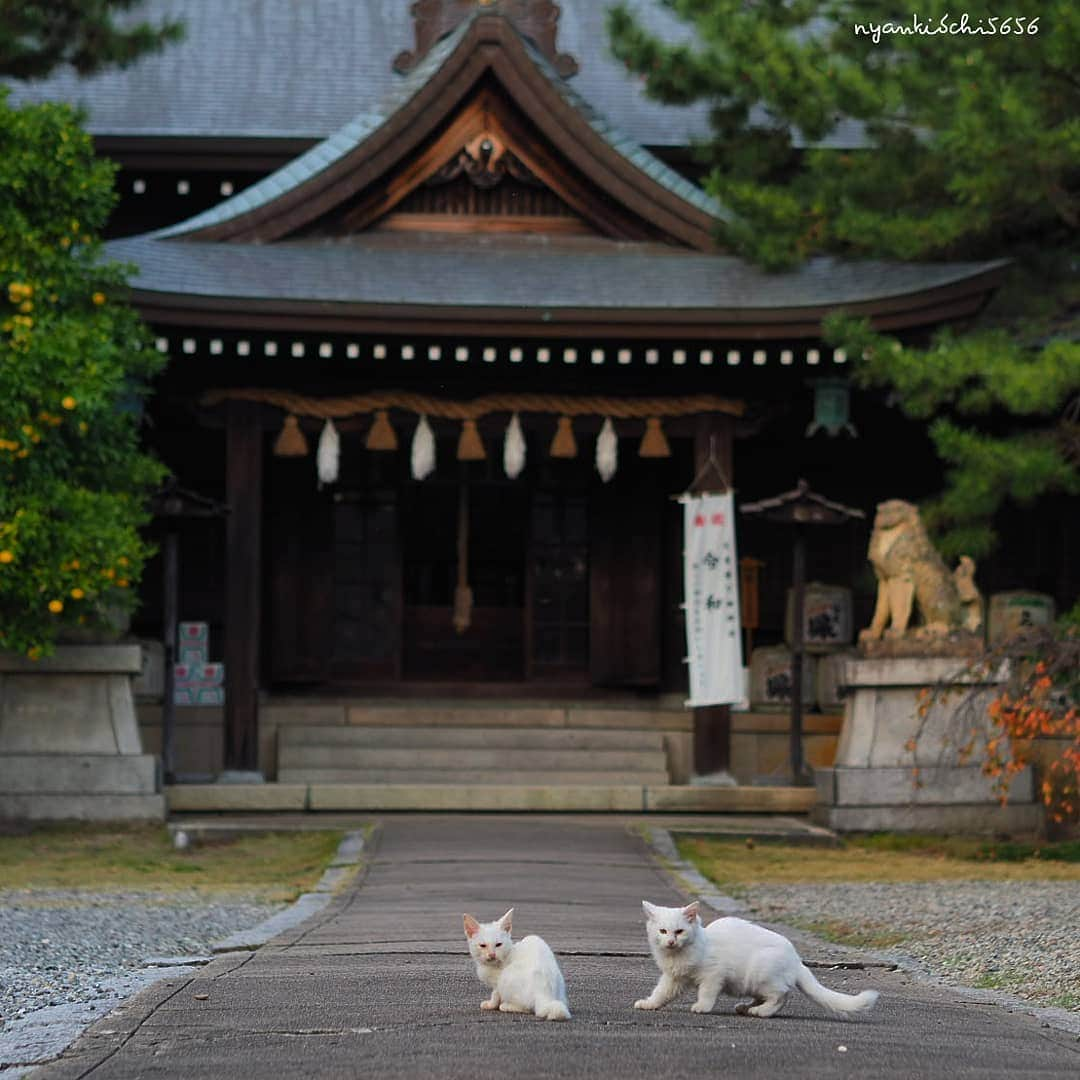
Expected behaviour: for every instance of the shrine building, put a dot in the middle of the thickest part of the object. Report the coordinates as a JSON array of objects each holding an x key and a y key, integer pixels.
[{"x": 423, "y": 272}]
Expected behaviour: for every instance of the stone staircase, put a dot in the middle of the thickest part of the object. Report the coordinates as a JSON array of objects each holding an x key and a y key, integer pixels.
[
  {"x": 470, "y": 755},
  {"x": 371, "y": 756}
]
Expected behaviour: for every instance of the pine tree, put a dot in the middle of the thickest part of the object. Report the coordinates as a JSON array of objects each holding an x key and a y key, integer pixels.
[
  {"x": 36, "y": 38},
  {"x": 972, "y": 124}
]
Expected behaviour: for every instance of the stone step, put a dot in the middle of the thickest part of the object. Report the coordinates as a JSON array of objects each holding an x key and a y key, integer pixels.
[
  {"x": 530, "y": 796},
  {"x": 474, "y": 760},
  {"x": 480, "y": 714},
  {"x": 468, "y": 738},
  {"x": 328, "y": 774}
]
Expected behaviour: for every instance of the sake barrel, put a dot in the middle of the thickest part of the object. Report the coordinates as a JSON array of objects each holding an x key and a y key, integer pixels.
[
  {"x": 770, "y": 678},
  {"x": 1013, "y": 612},
  {"x": 827, "y": 619},
  {"x": 830, "y": 669}
]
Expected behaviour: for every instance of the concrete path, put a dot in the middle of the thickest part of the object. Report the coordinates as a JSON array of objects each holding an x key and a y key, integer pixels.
[{"x": 379, "y": 985}]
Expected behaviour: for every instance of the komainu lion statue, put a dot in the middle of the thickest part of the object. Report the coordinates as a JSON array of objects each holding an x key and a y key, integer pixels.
[{"x": 911, "y": 574}]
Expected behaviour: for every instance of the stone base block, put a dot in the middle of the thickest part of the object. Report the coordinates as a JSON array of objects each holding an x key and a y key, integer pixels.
[
  {"x": 980, "y": 819},
  {"x": 84, "y": 774},
  {"x": 77, "y": 807},
  {"x": 902, "y": 786},
  {"x": 943, "y": 799}
]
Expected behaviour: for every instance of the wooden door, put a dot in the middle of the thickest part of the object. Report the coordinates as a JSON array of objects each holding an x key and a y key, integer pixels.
[
  {"x": 558, "y": 608},
  {"x": 300, "y": 528},
  {"x": 625, "y": 580},
  {"x": 367, "y": 588}
]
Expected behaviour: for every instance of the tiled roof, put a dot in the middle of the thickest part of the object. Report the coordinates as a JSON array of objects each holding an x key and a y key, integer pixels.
[
  {"x": 353, "y": 134},
  {"x": 463, "y": 273},
  {"x": 282, "y": 68}
]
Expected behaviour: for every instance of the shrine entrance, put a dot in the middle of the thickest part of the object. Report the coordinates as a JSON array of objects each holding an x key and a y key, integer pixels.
[
  {"x": 492, "y": 646},
  {"x": 363, "y": 579},
  {"x": 526, "y": 562}
]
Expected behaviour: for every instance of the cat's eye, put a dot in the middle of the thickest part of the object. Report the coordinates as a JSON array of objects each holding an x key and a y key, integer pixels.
[
  {"x": 482, "y": 945},
  {"x": 663, "y": 931},
  {"x": 678, "y": 931},
  {"x": 498, "y": 944}
]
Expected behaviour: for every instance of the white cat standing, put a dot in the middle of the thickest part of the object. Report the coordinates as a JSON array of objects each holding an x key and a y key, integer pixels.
[
  {"x": 522, "y": 976},
  {"x": 736, "y": 957}
]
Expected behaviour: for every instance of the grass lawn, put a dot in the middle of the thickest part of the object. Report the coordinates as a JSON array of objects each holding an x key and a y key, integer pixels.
[
  {"x": 736, "y": 865},
  {"x": 275, "y": 867}
]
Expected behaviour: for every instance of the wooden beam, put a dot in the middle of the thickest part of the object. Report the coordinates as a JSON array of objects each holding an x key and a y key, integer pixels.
[
  {"x": 243, "y": 578},
  {"x": 715, "y": 433}
]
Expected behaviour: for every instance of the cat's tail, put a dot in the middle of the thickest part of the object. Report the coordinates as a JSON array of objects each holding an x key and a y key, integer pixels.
[
  {"x": 833, "y": 1000},
  {"x": 554, "y": 1010}
]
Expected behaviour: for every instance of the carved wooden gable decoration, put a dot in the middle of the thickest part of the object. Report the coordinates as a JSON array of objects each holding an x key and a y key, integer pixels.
[{"x": 489, "y": 140}]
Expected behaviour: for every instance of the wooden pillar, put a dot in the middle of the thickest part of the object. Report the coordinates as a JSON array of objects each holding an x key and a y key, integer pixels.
[
  {"x": 171, "y": 606},
  {"x": 712, "y": 724},
  {"x": 243, "y": 579}
]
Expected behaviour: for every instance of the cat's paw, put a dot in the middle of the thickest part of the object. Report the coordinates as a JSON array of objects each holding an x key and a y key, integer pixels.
[
  {"x": 699, "y": 1008},
  {"x": 489, "y": 1005},
  {"x": 645, "y": 1003},
  {"x": 743, "y": 1008}
]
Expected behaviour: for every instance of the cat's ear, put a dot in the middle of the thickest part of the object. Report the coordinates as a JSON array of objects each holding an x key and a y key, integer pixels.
[
  {"x": 691, "y": 911},
  {"x": 507, "y": 921},
  {"x": 649, "y": 909},
  {"x": 471, "y": 926}
]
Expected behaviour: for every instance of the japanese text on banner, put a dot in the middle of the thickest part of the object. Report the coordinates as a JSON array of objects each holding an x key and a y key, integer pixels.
[{"x": 711, "y": 581}]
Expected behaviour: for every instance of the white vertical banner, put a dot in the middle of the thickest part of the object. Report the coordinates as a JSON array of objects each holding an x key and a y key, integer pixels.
[{"x": 711, "y": 588}]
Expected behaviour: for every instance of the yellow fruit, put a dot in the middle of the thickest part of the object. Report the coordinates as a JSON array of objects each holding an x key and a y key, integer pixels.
[
  {"x": 56, "y": 606},
  {"x": 6, "y": 557},
  {"x": 98, "y": 298},
  {"x": 77, "y": 594}
]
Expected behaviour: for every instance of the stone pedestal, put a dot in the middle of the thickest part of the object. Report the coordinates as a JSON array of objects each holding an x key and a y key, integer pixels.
[
  {"x": 69, "y": 741},
  {"x": 897, "y": 771}
]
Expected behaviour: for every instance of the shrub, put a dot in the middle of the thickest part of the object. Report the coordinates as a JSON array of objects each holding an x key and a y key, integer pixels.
[{"x": 75, "y": 362}]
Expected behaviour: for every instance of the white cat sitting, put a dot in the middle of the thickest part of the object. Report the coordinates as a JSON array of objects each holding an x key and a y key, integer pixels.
[
  {"x": 523, "y": 977},
  {"x": 736, "y": 957}
]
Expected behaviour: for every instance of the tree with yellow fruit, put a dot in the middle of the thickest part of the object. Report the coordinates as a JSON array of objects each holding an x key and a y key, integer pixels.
[{"x": 74, "y": 361}]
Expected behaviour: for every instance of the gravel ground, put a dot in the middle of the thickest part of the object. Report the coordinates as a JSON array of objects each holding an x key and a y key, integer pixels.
[
  {"x": 1019, "y": 937},
  {"x": 66, "y": 947}
]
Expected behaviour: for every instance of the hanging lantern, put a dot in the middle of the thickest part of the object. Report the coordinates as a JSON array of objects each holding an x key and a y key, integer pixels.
[
  {"x": 607, "y": 451},
  {"x": 564, "y": 445},
  {"x": 423, "y": 450},
  {"x": 381, "y": 434},
  {"x": 832, "y": 408},
  {"x": 470, "y": 447},
  {"x": 654, "y": 442},
  {"x": 514, "y": 449},
  {"x": 290, "y": 442},
  {"x": 328, "y": 456}
]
